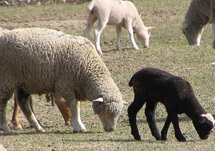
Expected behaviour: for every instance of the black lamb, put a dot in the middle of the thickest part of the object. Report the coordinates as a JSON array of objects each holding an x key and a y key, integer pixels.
[{"x": 153, "y": 85}]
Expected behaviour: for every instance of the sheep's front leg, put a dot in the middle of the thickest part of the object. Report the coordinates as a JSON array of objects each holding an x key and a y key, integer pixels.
[
  {"x": 150, "y": 115},
  {"x": 3, "y": 120},
  {"x": 23, "y": 101},
  {"x": 213, "y": 27},
  {"x": 118, "y": 35},
  {"x": 172, "y": 115},
  {"x": 165, "y": 128},
  {"x": 131, "y": 34},
  {"x": 133, "y": 109},
  {"x": 178, "y": 133},
  {"x": 77, "y": 124}
]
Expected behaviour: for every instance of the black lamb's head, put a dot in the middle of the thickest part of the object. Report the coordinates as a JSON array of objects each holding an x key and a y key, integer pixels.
[{"x": 204, "y": 125}]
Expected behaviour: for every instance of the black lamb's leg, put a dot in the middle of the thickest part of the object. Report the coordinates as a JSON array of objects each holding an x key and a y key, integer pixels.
[
  {"x": 178, "y": 133},
  {"x": 133, "y": 109},
  {"x": 165, "y": 128},
  {"x": 150, "y": 115}
]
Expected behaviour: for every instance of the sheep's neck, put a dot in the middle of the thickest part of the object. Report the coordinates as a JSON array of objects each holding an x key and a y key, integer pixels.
[
  {"x": 193, "y": 107},
  {"x": 198, "y": 15},
  {"x": 138, "y": 24}
]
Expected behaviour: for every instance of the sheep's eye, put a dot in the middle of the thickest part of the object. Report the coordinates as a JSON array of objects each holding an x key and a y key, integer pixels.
[{"x": 205, "y": 126}]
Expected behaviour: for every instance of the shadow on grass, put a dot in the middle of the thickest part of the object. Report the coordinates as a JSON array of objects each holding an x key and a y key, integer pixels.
[
  {"x": 181, "y": 119},
  {"x": 74, "y": 137}
]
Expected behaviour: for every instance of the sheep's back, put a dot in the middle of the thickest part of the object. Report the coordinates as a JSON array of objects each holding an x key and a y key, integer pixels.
[{"x": 40, "y": 57}]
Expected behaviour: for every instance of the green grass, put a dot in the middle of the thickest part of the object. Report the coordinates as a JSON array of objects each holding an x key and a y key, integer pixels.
[{"x": 168, "y": 50}]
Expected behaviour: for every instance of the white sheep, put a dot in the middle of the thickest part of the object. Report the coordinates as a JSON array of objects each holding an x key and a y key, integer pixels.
[
  {"x": 199, "y": 13},
  {"x": 39, "y": 60},
  {"x": 120, "y": 13}
]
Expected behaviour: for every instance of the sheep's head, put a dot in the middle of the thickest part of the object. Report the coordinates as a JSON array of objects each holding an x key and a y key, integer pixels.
[
  {"x": 144, "y": 35},
  {"x": 108, "y": 112},
  {"x": 204, "y": 125},
  {"x": 192, "y": 32}
]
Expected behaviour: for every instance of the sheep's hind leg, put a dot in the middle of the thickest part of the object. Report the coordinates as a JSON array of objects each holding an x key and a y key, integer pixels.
[
  {"x": 23, "y": 101},
  {"x": 90, "y": 21},
  {"x": 100, "y": 27},
  {"x": 133, "y": 109},
  {"x": 15, "y": 119},
  {"x": 150, "y": 115},
  {"x": 3, "y": 121}
]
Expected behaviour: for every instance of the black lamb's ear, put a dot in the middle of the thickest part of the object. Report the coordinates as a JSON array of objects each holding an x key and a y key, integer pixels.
[{"x": 202, "y": 120}]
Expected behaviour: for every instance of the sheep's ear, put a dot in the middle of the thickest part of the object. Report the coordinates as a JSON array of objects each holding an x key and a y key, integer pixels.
[
  {"x": 99, "y": 100},
  {"x": 150, "y": 28},
  {"x": 184, "y": 25}
]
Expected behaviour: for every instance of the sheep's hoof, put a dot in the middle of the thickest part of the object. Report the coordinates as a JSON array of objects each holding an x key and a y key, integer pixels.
[
  {"x": 181, "y": 139},
  {"x": 67, "y": 123},
  {"x": 8, "y": 132},
  {"x": 80, "y": 131},
  {"x": 16, "y": 127},
  {"x": 40, "y": 130}
]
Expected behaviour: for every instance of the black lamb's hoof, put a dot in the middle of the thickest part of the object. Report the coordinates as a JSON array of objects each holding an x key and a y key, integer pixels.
[
  {"x": 181, "y": 139},
  {"x": 137, "y": 138}
]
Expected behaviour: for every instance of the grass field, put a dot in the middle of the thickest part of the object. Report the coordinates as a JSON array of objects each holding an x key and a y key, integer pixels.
[{"x": 168, "y": 50}]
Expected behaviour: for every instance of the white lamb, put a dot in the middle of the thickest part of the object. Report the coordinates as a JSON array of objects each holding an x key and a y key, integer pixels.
[
  {"x": 38, "y": 61},
  {"x": 120, "y": 13}
]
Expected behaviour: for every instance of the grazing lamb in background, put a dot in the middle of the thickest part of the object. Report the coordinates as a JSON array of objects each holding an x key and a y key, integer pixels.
[
  {"x": 62, "y": 105},
  {"x": 40, "y": 61},
  {"x": 120, "y": 13},
  {"x": 152, "y": 85},
  {"x": 199, "y": 13}
]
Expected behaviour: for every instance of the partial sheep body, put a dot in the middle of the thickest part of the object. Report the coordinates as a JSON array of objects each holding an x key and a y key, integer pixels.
[
  {"x": 151, "y": 86},
  {"x": 199, "y": 13},
  {"x": 62, "y": 105},
  {"x": 39, "y": 61},
  {"x": 123, "y": 14},
  {"x": 3, "y": 31}
]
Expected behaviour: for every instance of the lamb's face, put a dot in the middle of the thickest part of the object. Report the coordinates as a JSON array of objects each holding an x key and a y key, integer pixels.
[
  {"x": 193, "y": 33},
  {"x": 108, "y": 113},
  {"x": 204, "y": 125},
  {"x": 144, "y": 35}
]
